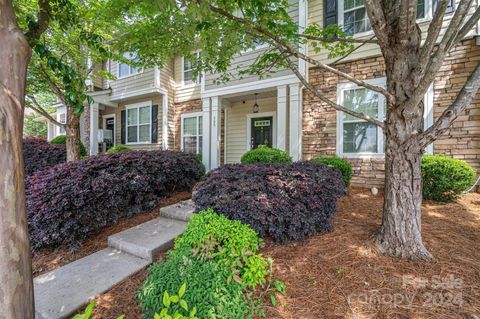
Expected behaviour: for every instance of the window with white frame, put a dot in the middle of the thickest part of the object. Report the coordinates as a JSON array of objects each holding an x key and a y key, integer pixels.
[
  {"x": 188, "y": 67},
  {"x": 139, "y": 124},
  {"x": 62, "y": 119},
  {"x": 356, "y": 137},
  {"x": 192, "y": 140},
  {"x": 125, "y": 69}
]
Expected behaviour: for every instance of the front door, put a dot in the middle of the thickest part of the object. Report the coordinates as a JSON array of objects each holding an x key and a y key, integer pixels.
[
  {"x": 110, "y": 134},
  {"x": 262, "y": 132}
]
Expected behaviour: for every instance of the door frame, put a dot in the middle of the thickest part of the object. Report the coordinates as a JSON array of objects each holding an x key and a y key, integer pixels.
[
  {"x": 257, "y": 115},
  {"x": 104, "y": 125}
]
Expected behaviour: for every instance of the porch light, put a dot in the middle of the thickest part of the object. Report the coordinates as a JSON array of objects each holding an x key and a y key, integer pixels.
[{"x": 255, "y": 106}]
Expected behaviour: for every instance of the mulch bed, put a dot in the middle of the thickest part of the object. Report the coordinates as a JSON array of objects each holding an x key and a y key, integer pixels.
[
  {"x": 341, "y": 275},
  {"x": 47, "y": 260}
]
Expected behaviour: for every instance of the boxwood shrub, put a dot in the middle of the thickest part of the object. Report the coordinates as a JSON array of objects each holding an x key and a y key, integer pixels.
[
  {"x": 286, "y": 202},
  {"x": 444, "y": 178},
  {"x": 38, "y": 154},
  {"x": 341, "y": 164},
  {"x": 119, "y": 148},
  {"x": 62, "y": 139},
  {"x": 265, "y": 154},
  {"x": 69, "y": 201}
]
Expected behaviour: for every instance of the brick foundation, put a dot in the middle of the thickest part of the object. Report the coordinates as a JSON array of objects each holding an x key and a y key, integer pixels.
[{"x": 461, "y": 141}]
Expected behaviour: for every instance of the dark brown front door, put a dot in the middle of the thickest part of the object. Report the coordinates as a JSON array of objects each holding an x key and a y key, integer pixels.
[{"x": 262, "y": 132}]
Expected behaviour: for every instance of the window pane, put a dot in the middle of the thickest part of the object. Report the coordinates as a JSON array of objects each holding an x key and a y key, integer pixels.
[
  {"x": 421, "y": 9},
  {"x": 359, "y": 138},
  {"x": 132, "y": 116},
  {"x": 190, "y": 126},
  {"x": 190, "y": 144},
  {"x": 124, "y": 69},
  {"x": 144, "y": 132},
  {"x": 132, "y": 134},
  {"x": 144, "y": 115},
  {"x": 349, "y": 4},
  {"x": 361, "y": 100},
  {"x": 200, "y": 125},
  {"x": 188, "y": 76}
]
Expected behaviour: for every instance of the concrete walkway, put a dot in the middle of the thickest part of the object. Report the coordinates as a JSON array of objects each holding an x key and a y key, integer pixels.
[{"x": 61, "y": 292}]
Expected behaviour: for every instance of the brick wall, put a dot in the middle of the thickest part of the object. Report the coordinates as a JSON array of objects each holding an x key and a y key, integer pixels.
[
  {"x": 181, "y": 108},
  {"x": 462, "y": 141}
]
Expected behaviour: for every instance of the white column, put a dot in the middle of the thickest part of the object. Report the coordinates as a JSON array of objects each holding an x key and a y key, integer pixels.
[
  {"x": 216, "y": 127},
  {"x": 206, "y": 133},
  {"x": 282, "y": 117},
  {"x": 295, "y": 122},
  {"x": 165, "y": 122},
  {"x": 94, "y": 129}
]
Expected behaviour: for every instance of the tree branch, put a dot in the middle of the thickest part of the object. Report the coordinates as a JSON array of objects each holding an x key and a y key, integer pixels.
[
  {"x": 377, "y": 20},
  {"x": 336, "y": 39},
  {"x": 34, "y": 105},
  {"x": 469, "y": 25},
  {"x": 296, "y": 53},
  {"x": 323, "y": 98},
  {"x": 463, "y": 99},
  {"x": 37, "y": 28},
  {"x": 434, "y": 29}
]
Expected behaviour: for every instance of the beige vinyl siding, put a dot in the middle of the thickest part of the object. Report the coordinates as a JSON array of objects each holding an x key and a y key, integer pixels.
[
  {"x": 157, "y": 100},
  {"x": 183, "y": 93},
  {"x": 315, "y": 15},
  {"x": 237, "y": 126},
  {"x": 246, "y": 59},
  {"x": 131, "y": 83}
]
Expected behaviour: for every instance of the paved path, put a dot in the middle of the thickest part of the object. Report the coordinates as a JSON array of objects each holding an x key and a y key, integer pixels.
[{"x": 61, "y": 292}]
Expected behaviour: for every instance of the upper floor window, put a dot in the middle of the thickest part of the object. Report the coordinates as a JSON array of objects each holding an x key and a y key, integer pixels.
[
  {"x": 139, "y": 123},
  {"x": 125, "y": 69},
  {"x": 188, "y": 74}
]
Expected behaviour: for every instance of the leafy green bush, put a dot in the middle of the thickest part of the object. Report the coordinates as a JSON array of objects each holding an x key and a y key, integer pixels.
[
  {"x": 231, "y": 243},
  {"x": 341, "y": 164},
  {"x": 444, "y": 178},
  {"x": 265, "y": 154},
  {"x": 119, "y": 148},
  {"x": 62, "y": 139}
]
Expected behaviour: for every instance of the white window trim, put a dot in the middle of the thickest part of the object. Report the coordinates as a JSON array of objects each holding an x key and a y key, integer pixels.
[
  {"x": 249, "y": 127},
  {"x": 340, "y": 14},
  {"x": 104, "y": 125},
  {"x": 199, "y": 133},
  {"x": 428, "y": 118},
  {"x": 59, "y": 129},
  {"x": 130, "y": 74},
  {"x": 192, "y": 83},
  {"x": 136, "y": 106}
]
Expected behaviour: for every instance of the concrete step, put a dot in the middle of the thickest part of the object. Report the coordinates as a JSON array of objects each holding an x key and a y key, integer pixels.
[
  {"x": 61, "y": 292},
  {"x": 180, "y": 211},
  {"x": 149, "y": 238}
]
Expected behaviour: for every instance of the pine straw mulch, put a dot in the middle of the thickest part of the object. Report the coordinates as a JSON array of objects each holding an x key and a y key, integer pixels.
[
  {"x": 340, "y": 274},
  {"x": 47, "y": 260}
]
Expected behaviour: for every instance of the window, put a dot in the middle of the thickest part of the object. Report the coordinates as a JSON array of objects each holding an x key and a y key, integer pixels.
[
  {"x": 62, "y": 118},
  {"x": 192, "y": 133},
  {"x": 126, "y": 69},
  {"x": 188, "y": 66},
  {"x": 358, "y": 136},
  {"x": 355, "y": 18},
  {"x": 139, "y": 123}
]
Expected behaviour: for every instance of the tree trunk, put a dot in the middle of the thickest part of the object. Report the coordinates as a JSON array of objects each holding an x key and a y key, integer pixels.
[
  {"x": 72, "y": 129},
  {"x": 16, "y": 287}
]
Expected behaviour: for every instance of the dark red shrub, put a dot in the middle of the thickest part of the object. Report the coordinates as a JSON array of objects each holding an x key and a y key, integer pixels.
[
  {"x": 284, "y": 201},
  {"x": 38, "y": 154},
  {"x": 68, "y": 202}
]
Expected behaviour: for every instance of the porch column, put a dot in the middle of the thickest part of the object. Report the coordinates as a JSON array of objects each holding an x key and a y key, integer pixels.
[
  {"x": 93, "y": 129},
  {"x": 206, "y": 133},
  {"x": 216, "y": 126},
  {"x": 295, "y": 122},
  {"x": 282, "y": 117}
]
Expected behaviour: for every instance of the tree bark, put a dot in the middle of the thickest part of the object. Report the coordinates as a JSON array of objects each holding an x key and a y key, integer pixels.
[
  {"x": 72, "y": 129},
  {"x": 16, "y": 287}
]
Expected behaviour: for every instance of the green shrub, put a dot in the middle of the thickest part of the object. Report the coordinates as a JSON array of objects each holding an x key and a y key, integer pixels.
[
  {"x": 444, "y": 178},
  {"x": 62, "y": 139},
  {"x": 231, "y": 243},
  {"x": 265, "y": 154},
  {"x": 341, "y": 164},
  {"x": 207, "y": 288},
  {"x": 119, "y": 148}
]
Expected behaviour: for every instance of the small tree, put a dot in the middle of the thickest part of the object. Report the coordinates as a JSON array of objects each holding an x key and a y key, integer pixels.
[{"x": 222, "y": 29}]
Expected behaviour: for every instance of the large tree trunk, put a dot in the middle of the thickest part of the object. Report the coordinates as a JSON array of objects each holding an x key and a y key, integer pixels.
[
  {"x": 72, "y": 129},
  {"x": 16, "y": 288}
]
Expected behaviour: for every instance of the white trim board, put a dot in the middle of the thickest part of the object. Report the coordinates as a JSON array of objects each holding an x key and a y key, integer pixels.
[
  {"x": 136, "y": 94},
  {"x": 249, "y": 126}
]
